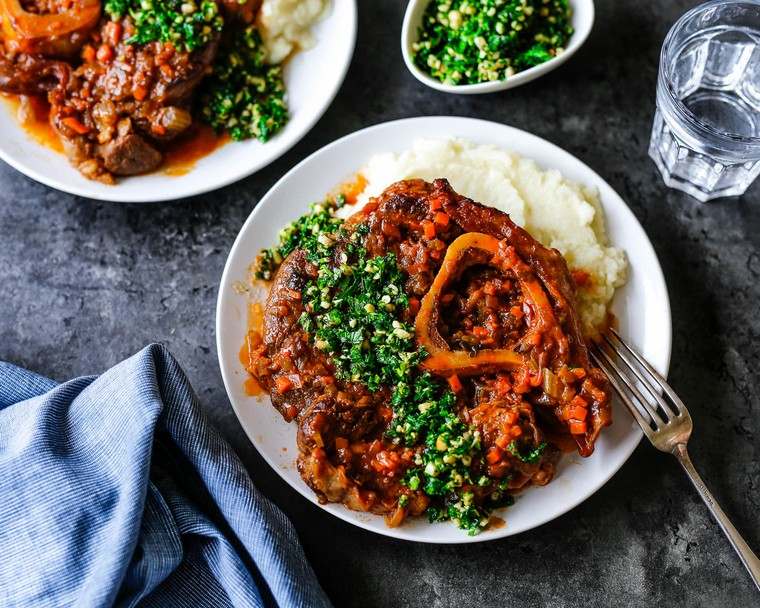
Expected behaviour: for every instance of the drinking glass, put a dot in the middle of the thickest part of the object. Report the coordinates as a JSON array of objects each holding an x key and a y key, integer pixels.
[{"x": 706, "y": 134}]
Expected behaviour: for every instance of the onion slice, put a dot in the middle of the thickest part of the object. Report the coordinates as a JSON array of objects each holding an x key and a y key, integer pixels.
[{"x": 51, "y": 34}]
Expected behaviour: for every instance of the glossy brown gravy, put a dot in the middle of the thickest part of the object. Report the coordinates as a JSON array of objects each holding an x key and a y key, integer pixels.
[
  {"x": 35, "y": 121},
  {"x": 180, "y": 155},
  {"x": 251, "y": 387}
]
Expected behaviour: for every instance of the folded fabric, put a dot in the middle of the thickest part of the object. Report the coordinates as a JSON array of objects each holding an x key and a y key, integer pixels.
[{"x": 115, "y": 491}]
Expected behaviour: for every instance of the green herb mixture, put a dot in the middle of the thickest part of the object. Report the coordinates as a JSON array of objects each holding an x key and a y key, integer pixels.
[
  {"x": 299, "y": 234},
  {"x": 184, "y": 23},
  {"x": 354, "y": 314},
  {"x": 474, "y": 41},
  {"x": 244, "y": 96}
]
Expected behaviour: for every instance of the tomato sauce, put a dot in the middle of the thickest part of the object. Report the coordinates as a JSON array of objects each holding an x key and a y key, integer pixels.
[
  {"x": 251, "y": 386},
  {"x": 180, "y": 155},
  {"x": 35, "y": 121}
]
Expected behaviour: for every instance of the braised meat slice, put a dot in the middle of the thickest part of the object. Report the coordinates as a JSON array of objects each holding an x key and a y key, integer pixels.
[
  {"x": 124, "y": 101},
  {"x": 495, "y": 313},
  {"x": 331, "y": 415},
  {"x": 50, "y": 28},
  {"x": 32, "y": 75}
]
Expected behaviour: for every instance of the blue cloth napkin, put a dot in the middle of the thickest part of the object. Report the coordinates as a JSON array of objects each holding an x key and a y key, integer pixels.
[{"x": 115, "y": 491}]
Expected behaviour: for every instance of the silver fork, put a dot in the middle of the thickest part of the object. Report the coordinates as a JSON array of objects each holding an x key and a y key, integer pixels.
[{"x": 665, "y": 421}]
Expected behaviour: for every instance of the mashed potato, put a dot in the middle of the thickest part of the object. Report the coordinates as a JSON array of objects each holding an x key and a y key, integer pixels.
[
  {"x": 557, "y": 212},
  {"x": 286, "y": 25}
]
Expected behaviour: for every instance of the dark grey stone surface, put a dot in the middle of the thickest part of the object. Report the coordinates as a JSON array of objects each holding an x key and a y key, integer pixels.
[{"x": 87, "y": 284}]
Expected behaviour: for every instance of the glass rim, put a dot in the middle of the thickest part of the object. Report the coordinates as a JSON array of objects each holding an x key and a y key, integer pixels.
[{"x": 665, "y": 78}]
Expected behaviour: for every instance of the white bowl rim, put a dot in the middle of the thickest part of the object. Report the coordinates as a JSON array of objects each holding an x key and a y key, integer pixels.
[
  {"x": 116, "y": 196},
  {"x": 577, "y": 40},
  {"x": 342, "y": 512}
]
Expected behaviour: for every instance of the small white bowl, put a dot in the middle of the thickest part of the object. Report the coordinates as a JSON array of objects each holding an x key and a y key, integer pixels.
[{"x": 582, "y": 21}]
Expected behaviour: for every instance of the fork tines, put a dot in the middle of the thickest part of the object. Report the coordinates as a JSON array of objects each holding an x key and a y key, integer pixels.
[{"x": 659, "y": 411}]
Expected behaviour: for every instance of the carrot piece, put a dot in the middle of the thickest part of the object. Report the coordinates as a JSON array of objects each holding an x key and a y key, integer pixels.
[
  {"x": 502, "y": 441},
  {"x": 428, "y": 229},
  {"x": 516, "y": 312},
  {"x": 455, "y": 383},
  {"x": 283, "y": 384},
  {"x": 503, "y": 386},
  {"x": 140, "y": 92},
  {"x": 105, "y": 53},
  {"x": 414, "y": 305},
  {"x": 352, "y": 190},
  {"x": 577, "y": 427},
  {"x": 578, "y": 401},
  {"x": 480, "y": 332},
  {"x": 579, "y": 372},
  {"x": 75, "y": 125},
  {"x": 516, "y": 431},
  {"x": 441, "y": 219},
  {"x": 494, "y": 455},
  {"x": 522, "y": 381},
  {"x": 435, "y": 204},
  {"x": 577, "y": 413},
  {"x": 113, "y": 32},
  {"x": 88, "y": 54}
]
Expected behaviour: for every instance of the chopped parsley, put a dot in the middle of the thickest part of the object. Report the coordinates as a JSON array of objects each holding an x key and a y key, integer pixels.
[
  {"x": 474, "y": 41},
  {"x": 301, "y": 234},
  {"x": 186, "y": 24},
  {"x": 531, "y": 457},
  {"x": 244, "y": 96}
]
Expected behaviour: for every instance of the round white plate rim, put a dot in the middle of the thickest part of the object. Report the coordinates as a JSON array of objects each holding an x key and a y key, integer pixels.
[
  {"x": 578, "y": 39},
  {"x": 118, "y": 196},
  {"x": 609, "y": 195}
]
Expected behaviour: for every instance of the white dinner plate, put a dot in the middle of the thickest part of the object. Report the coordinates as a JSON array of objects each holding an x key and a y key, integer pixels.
[
  {"x": 312, "y": 79},
  {"x": 641, "y": 306}
]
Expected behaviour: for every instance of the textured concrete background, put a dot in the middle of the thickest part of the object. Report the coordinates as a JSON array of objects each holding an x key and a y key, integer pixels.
[{"x": 87, "y": 284}]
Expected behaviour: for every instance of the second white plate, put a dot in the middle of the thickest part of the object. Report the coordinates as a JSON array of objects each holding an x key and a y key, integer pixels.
[
  {"x": 641, "y": 306},
  {"x": 312, "y": 79}
]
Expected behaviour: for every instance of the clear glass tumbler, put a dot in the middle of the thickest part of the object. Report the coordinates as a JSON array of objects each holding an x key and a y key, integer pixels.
[{"x": 706, "y": 133}]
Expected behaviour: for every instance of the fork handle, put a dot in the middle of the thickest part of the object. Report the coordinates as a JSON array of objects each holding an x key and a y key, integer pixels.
[{"x": 749, "y": 559}]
